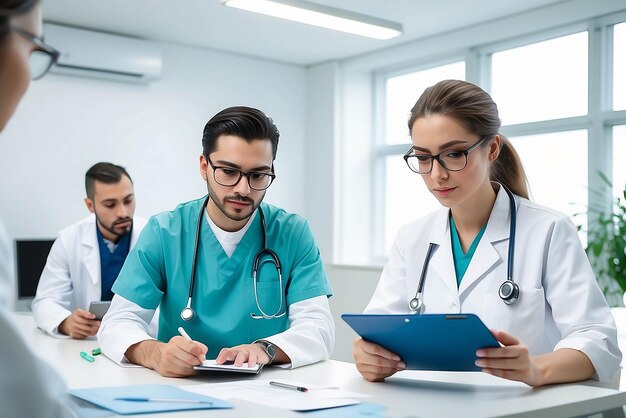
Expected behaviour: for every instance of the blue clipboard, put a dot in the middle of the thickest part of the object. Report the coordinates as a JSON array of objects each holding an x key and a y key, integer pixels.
[{"x": 443, "y": 342}]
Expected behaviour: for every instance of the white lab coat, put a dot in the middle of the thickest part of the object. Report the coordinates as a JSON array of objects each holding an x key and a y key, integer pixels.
[
  {"x": 71, "y": 277},
  {"x": 560, "y": 304}
]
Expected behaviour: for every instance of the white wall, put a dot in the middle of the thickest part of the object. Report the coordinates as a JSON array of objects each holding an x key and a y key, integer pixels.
[{"x": 66, "y": 124}]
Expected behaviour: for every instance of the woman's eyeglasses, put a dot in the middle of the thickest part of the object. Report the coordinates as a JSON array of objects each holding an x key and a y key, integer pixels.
[
  {"x": 42, "y": 57},
  {"x": 451, "y": 160}
]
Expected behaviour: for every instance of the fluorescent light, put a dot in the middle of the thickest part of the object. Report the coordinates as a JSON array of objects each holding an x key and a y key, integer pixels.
[{"x": 322, "y": 16}]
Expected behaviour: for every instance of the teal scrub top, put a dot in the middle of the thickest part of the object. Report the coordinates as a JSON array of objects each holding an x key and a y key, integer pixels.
[
  {"x": 157, "y": 272},
  {"x": 461, "y": 259}
]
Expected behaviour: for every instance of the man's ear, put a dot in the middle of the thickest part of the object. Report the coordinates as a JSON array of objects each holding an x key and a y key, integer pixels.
[
  {"x": 90, "y": 205},
  {"x": 203, "y": 167}
]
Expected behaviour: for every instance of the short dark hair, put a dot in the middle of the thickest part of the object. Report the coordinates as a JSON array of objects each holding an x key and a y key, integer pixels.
[
  {"x": 105, "y": 173},
  {"x": 10, "y": 8},
  {"x": 245, "y": 122}
]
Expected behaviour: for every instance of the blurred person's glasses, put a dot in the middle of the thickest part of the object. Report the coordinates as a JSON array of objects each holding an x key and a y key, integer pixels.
[
  {"x": 452, "y": 160},
  {"x": 41, "y": 58},
  {"x": 229, "y": 177}
]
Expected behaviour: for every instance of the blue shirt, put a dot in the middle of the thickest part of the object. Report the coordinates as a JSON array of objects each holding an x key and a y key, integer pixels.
[
  {"x": 461, "y": 259},
  {"x": 157, "y": 272},
  {"x": 111, "y": 262}
]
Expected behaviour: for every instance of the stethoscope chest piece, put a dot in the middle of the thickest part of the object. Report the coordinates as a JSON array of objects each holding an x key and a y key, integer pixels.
[
  {"x": 509, "y": 292},
  {"x": 187, "y": 314},
  {"x": 416, "y": 304}
]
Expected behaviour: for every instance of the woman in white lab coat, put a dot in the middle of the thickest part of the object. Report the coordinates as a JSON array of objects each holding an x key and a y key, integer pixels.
[
  {"x": 28, "y": 387},
  {"x": 559, "y": 329}
]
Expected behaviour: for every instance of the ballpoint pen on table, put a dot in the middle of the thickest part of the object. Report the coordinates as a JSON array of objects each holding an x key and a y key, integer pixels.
[
  {"x": 288, "y": 386},
  {"x": 139, "y": 399}
]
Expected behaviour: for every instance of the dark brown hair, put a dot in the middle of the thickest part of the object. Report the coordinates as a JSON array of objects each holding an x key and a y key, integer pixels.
[
  {"x": 10, "y": 8},
  {"x": 478, "y": 113},
  {"x": 103, "y": 172},
  {"x": 245, "y": 122}
]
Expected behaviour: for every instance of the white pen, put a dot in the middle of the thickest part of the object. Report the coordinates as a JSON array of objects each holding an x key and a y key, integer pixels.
[{"x": 182, "y": 332}]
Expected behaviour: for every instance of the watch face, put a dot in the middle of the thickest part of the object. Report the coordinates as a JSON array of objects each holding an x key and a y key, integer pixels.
[{"x": 270, "y": 351}]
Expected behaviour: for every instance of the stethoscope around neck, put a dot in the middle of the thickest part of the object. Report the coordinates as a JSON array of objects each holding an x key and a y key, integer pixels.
[
  {"x": 187, "y": 314},
  {"x": 508, "y": 291}
]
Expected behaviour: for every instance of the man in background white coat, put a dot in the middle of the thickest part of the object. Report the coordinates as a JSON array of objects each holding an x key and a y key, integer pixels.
[{"x": 87, "y": 256}]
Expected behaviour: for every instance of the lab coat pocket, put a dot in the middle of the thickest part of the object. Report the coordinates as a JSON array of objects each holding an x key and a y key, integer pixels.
[{"x": 522, "y": 319}]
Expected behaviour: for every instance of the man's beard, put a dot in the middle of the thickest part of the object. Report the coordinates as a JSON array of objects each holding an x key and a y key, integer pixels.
[
  {"x": 118, "y": 233},
  {"x": 222, "y": 206}
]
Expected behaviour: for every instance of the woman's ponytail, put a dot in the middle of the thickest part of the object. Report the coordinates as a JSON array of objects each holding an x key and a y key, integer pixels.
[{"x": 507, "y": 169}]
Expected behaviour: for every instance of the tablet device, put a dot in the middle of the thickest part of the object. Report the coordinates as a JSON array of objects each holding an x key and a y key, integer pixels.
[
  {"x": 443, "y": 342},
  {"x": 99, "y": 308},
  {"x": 212, "y": 366}
]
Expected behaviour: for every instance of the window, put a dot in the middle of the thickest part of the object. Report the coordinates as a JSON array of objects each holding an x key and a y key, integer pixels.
[
  {"x": 619, "y": 66},
  {"x": 405, "y": 196},
  {"x": 403, "y": 91},
  {"x": 541, "y": 81},
  {"x": 556, "y": 167}
]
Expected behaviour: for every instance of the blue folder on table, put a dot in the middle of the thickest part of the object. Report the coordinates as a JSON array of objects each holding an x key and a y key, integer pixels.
[
  {"x": 105, "y": 397},
  {"x": 443, "y": 342}
]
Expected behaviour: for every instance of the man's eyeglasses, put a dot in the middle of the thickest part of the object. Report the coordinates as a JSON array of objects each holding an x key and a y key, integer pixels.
[
  {"x": 452, "y": 160},
  {"x": 229, "y": 177},
  {"x": 42, "y": 58}
]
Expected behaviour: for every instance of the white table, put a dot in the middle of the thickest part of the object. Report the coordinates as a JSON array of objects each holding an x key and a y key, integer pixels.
[{"x": 433, "y": 395}]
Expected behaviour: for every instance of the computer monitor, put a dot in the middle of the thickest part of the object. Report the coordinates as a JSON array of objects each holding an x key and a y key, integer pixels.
[{"x": 31, "y": 256}]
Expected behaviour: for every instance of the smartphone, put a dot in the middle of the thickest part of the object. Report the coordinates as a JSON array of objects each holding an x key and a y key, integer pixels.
[{"x": 99, "y": 308}]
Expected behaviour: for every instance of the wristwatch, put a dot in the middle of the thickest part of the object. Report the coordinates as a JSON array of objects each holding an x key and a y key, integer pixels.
[{"x": 269, "y": 349}]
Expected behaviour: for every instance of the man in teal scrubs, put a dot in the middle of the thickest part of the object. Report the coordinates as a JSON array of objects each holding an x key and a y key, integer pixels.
[{"x": 236, "y": 317}]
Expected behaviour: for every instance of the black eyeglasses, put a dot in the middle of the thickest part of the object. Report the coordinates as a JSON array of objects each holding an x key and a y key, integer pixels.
[
  {"x": 42, "y": 58},
  {"x": 229, "y": 177},
  {"x": 452, "y": 160}
]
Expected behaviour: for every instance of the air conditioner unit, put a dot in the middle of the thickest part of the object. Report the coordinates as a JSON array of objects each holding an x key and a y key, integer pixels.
[{"x": 88, "y": 53}]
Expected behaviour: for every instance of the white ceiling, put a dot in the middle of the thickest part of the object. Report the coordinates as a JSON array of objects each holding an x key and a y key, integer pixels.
[{"x": 207, "y": 23}]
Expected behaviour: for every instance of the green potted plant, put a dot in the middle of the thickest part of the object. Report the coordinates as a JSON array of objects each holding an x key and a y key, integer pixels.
[{"x": 606, "y": 247}]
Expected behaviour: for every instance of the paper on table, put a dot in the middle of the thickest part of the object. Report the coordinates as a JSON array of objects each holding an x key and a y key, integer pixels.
[
  {"x": 211, "y": 365},
  {"x": 261, "y": 392}
]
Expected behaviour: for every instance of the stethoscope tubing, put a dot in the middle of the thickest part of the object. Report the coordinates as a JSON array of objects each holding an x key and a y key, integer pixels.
[
  {"x": 416, "y": 304},
  {"x": 188, "y": 313}
]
